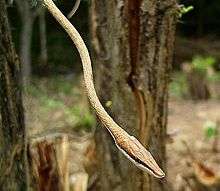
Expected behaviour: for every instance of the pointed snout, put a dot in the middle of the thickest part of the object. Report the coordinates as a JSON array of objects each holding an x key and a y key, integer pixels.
[{"x": 159, "y": 174}]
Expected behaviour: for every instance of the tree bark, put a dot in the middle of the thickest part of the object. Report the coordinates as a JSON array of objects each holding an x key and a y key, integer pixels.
[
  {"x": 12, "y": 129},
  {"x": 198, "y": 85},
  {"x": 133, "y": 45},
  {"x": 43, "y": 39},
  {"x": 27, "y": 19}
]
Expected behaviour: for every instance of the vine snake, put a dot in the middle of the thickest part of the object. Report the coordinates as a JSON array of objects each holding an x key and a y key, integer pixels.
[{"x": 126, "y": 143}]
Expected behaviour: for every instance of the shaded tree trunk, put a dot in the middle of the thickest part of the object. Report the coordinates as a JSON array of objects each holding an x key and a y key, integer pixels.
[
  {"x": 198, "y": 85},
  {"x": 25, "y": 50},
  {"x": 133, "y": 43},
  {"x": 27, "y": 19},
  {"x": 43, "y": 40},
  {"x": 200, "y": 17},
  {"x": 12, "y": 130}
]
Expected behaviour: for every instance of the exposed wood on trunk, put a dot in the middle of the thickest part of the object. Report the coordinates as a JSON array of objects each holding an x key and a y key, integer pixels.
[
  {"x": 133, "y": 47},
  {"x": 45, "y": 167},
  {"x": 134, "y": 36},
  {"x": 12, "y": 129}
]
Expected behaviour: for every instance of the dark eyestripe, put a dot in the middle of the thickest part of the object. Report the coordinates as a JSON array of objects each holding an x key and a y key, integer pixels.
[
  {"x": 143, "y": 163},
  {"x": 139, "y": 161}
]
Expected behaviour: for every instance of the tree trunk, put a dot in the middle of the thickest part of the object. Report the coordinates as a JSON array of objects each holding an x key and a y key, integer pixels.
[
  {"x": 200, "y": 17},
  {"x": 43, "y": 40},
  {"x": 198, "y": 85},
  {"x": 133, "y": 43},
  {"x": 25, "y": 43},
  {"x": 27, "y": 19},
  {"x": 12, "y": 130}
]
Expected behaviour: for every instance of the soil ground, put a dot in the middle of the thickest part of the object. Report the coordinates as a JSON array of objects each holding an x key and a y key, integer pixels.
[{"x": 187, "y": 120}]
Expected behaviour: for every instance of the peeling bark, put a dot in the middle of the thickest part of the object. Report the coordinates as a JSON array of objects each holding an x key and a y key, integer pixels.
[{"x": 133, "y": 43}]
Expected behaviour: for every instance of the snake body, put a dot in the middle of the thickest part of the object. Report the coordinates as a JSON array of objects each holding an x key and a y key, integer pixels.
[{"x": 129, "y": 145}]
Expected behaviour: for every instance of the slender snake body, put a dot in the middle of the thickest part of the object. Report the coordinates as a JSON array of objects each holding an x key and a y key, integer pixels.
[{"x": 129, "y": 145}]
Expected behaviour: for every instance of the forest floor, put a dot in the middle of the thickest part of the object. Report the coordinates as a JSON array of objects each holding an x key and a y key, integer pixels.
[
  {"x": 187, "y": 119},
  {"x": 63, "y": 108}
]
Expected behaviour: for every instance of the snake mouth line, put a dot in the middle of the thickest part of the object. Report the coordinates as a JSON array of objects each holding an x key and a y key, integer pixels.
[
  {"x": 141, "y": 164},
  {"x": 139, "y": 161},
  {"x": 161, "y": 175}
]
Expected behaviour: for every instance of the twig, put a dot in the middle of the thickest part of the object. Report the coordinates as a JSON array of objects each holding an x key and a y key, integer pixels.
[
  {"x": 74, "y": 9},
  {"x": 192, "y": 156}
]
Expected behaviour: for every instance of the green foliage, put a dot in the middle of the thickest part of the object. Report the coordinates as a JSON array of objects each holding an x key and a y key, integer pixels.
[
  {"x": 79, "y": 116},
  {"x": 183, "y": 10},
  {"x": 84, "y": 118},
  {"x": 214, "y": 77},
  {"x": 58, "y": 95},
  {"x": 210, "y": 129},
  {"x": 33, "y": 3},
  {"x": 33, "y": 91},
  {"x": 108, "y": 103},
  {"x": 178, "y": 87},
  {"x": 51, "y": 103},
  {"x": 47, "y": 88},
  {"x": 60, "y": 85},
  {"x": 202, "y": 64}
]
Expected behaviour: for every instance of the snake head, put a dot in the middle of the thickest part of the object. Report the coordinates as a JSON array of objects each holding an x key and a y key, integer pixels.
[{"x": 138, "y": 155}]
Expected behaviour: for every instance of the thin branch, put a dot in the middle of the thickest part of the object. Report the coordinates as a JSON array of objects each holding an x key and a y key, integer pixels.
[{"x": 74, "y": 9}]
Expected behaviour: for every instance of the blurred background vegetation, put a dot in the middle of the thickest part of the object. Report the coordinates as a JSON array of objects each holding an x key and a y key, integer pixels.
[{"x": 197, "y": 45}]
